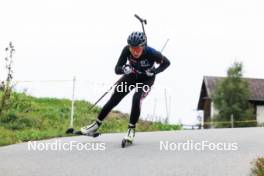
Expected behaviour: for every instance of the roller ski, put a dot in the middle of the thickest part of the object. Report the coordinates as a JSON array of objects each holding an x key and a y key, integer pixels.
[
  {"x": 128, "y": 140},
  {"x": 90, "y": 130}
]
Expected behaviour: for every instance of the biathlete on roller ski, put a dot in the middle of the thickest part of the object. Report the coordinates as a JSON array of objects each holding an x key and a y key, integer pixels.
[{"x": 137, "y": 65}]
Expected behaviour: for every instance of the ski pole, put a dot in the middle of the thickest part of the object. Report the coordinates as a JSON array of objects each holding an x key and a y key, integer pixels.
[
  {"x": 164, "y": 45},
  {"x": 70, "y": 130},
  {"x": 104, "y": 94},
  {"x": 142, "y": 21}
]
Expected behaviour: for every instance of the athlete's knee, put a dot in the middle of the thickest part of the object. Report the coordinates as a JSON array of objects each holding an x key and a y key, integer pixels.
[
  {"x": 137, "y": 97},
  {"x": 113, "y": 102}
]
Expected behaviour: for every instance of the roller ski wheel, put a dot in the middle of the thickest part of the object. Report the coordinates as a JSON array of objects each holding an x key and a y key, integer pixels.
[
  {"x": 72, "y": 131},
  {"x": 126, "y": 142},
  {"x": 96, "y": 134}
]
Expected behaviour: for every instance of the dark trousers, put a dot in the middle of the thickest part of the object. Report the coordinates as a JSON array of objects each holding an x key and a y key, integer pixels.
[{"x": 142, "y": 85}]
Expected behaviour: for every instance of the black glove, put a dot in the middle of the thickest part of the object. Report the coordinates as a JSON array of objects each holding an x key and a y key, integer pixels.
[
  {"x": 127, "y": 69},
  {"x": 150, "y": 72}
]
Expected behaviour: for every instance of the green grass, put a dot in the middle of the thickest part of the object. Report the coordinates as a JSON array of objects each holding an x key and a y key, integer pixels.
[
  {"x": 258, "y": 167},
  {"x": 31, "y": 118}
]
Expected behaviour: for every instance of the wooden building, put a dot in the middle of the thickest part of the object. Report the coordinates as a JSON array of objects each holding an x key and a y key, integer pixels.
[{"x": 256, "y": 97}]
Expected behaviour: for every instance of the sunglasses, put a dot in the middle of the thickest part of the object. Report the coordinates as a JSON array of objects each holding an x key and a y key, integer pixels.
[{"x": 136, "y": 49}]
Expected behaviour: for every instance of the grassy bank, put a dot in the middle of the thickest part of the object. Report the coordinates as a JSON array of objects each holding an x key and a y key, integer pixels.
[{"x": 31, "y": 118}]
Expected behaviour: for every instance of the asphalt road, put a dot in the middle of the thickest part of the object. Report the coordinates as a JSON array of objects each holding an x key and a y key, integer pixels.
[{"x": 152, "y": 154}]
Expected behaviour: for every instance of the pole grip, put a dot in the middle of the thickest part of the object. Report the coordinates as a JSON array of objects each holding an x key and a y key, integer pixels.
[{"x": 140, "y": 19}]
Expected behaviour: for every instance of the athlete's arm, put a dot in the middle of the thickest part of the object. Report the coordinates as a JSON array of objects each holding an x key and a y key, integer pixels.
[
  {"x": 163, "y": 61},
  {"x": 122, "y": 61}
]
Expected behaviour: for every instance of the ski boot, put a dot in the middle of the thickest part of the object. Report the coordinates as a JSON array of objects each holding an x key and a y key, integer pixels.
[
  {"x": 128, "y": 140},
  {"x": 90, "y": 130}
]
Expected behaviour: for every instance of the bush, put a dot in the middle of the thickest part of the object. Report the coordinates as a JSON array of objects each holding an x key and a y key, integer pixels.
[
  {"x": 258, "y": 167},
  {"x": 21, "y": 102}
]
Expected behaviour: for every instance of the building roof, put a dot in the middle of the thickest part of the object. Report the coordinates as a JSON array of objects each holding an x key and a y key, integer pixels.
[{"x": 256, "y": 88}]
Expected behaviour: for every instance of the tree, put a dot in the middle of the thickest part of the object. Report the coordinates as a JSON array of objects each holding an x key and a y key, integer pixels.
[
  {"x": 6, "y": 87},
  {"x": 232, "y": 95}
]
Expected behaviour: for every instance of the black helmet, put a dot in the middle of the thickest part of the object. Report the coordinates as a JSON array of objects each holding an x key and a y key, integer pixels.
[{"x": 137, "y": 39}]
